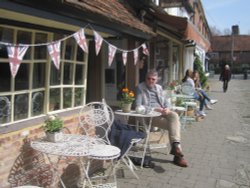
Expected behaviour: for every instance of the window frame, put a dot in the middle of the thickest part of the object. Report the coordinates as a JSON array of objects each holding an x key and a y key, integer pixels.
[{"x": 46, "y": 86}]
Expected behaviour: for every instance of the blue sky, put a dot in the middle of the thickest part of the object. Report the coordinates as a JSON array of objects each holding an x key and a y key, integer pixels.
[{"x": 224, "y": 13}]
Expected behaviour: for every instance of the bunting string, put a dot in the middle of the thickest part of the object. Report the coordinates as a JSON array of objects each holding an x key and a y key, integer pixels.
[{"x": 16, "y": 52}]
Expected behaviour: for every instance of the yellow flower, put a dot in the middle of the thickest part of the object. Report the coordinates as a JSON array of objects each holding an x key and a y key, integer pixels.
[
  {"x": 127, "y": 96},
  {"x": 131, "y": 94},
  {"x": 125, "y": 90}
]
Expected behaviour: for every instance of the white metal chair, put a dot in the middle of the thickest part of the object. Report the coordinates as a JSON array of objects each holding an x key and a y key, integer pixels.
[
  {"x": 95, "y": 119},
  {"x": 30, "y": 170},
  {"x": 187, "y": 89}
]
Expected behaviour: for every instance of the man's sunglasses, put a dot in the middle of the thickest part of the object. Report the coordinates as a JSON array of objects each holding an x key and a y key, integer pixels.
[{"x": 153, "y": 79}]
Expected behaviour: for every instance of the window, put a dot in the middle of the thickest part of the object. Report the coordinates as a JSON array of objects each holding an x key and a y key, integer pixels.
[{"x": 39, "y": 87}]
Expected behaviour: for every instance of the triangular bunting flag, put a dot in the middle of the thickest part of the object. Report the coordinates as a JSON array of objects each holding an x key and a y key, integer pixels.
[
  {"x": 98, "y": 42},
  {"x": 54, "y": 52},
  {"x": 81, "y": 40},
  {"x": 135, "y": 55},
  {"x": 112, "y": 50},
  {"x": 124, "y": 57},
  {"x": 16, "y": 54},
  {"x": 145, "y": 49}
]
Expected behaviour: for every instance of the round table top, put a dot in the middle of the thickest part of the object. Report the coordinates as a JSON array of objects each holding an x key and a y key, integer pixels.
[
  {"x": 27, "y": 186},
  {"x": 71, "y": 148},
  {"x": 179, "y": 108},
  {"x": 100, "y": 151},
  {"x": 183, "y": 96},
  {"x": 77, "y": 145},
  {"x": 134, "y": 113}
]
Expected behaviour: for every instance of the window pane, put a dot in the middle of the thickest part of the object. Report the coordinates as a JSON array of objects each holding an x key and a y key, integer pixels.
[
  {"x": 24, "y": 37},
  {"x": 78, "y": 96},
  {"x": 40, "y": 52},
  {"x": 38, "y": 75},
  {"x": 80, "y": 54},
  {"x": 5, "y": 77},
  {"x": 54, "y": 102},
  {"x": 37, "y": 103},
  {"x": 6, "y": 35},
  {"x": 22, "y": 77},
  {"x": 21, "y": 106},
  {"x": 55, "y": 75},
  {"x": 70, "y": 49},
  {"x": 5, "y": 110},
  {"x": 67, "y": 95},
  {"x": 67, "y": 74},
  {"x": 58, "y": 36},
  {"x": 79, "y": 74}
]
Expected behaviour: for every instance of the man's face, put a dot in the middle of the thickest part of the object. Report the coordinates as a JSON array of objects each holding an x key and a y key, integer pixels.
[{"x": 151, "y": 81}]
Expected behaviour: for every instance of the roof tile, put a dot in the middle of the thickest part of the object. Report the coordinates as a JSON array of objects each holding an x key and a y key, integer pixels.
[{"x": 113, "y": 10}]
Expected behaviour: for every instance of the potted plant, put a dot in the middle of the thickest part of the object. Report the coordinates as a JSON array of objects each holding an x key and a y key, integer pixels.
[
  {"x": 127, "y": 99},
  {"x": 52, "y": 127}
]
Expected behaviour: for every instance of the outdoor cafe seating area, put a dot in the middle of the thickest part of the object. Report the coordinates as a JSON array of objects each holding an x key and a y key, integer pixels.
[{"x": 93, "y": 147}]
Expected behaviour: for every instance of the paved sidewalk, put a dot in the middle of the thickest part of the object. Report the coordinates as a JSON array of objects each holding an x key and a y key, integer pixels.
[{"x": 217, "y": 149}]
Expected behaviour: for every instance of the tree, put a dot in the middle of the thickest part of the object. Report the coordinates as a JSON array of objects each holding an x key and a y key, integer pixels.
[
  {"x": 227, "y": 31},
  {"x": 215, "y": 31},
  {"x": 198, "y": 67}
]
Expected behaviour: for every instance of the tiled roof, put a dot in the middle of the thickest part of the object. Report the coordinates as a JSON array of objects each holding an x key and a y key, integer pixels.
[
  {"x": 113, "y": 11},
  {"x": 183, "y": 28},
  {"x": 224, "y": 43}
]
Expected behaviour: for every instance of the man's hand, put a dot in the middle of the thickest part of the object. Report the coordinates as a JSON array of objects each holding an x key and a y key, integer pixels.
[{"x": 163, "y": 111}]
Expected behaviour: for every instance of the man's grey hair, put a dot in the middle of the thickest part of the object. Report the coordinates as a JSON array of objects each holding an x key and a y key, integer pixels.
[{"x": 152, "y": 72}]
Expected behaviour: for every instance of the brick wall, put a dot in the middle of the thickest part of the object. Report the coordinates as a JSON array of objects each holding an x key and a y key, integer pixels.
[{"x": 16, "y": 156}]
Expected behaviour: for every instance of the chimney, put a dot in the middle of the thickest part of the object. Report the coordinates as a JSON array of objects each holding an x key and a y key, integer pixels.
[{"x": 235, "y": 30}]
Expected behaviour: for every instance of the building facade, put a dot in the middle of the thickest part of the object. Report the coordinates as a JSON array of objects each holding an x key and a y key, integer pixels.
[
  {"x": 197, "y": 33},
  {"x": 41, "y": 86},
  {"x": 233, "y": 50}
]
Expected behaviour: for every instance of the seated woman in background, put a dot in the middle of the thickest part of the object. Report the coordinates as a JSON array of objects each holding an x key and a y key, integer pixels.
[
  {"x": 200, "y": 91},
  {"x": 188, "y": 79}
]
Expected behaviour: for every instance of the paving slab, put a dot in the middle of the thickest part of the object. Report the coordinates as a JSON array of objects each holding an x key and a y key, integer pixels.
[{"x": 217, "y": 148}]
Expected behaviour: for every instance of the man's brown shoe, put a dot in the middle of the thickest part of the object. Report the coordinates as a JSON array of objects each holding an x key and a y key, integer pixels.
[
  {"x": 176, "y": 151},
  {"x": 180, "y": 161}
]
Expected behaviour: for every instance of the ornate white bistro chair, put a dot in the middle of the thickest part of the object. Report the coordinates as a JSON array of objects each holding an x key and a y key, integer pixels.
[{"x": 95, "y": 119}]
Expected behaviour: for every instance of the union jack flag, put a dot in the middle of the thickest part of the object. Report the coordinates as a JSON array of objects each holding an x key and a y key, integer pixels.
[
  {"x": 54, "y": 52},
  {"x": 112, "y": 50},
  {"x": 135, "y": 55},
  {"x": 98, "y": 42},
  {"x": 145, "y": 50},
  {"x": 16, "y": 54},
  {"x": 81, "y": 40},
  {"x": 124, "y": 57}
]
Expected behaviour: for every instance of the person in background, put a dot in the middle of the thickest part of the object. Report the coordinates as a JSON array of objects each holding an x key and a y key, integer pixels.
[
  {"x": 225, "y": 77},
  {"x": 196, "y": 78},
  {"x": 149, "y": 94},
  {"x": 188, "y": 79},
  {"x": 142, "y": 68}
]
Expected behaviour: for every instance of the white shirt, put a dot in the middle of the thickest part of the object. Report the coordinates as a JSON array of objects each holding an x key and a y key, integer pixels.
[{"x": 191, "y": 82}]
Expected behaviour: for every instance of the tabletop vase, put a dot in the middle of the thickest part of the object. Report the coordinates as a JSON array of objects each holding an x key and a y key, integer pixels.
[
  {"x": 126, "y": 107},
  {"x": 54, "y": 137}
]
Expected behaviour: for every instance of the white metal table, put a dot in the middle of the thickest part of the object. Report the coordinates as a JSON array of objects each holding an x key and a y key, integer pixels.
[
  {"x": 183, "y": 96},
  {"x": 187, "y": 103},
  {"x": 146, "y": 125},
  {"x": 75, "y": 146}
]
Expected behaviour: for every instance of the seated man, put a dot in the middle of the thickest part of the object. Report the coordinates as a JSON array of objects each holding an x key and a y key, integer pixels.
[{"x": 149, "y": 94}]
